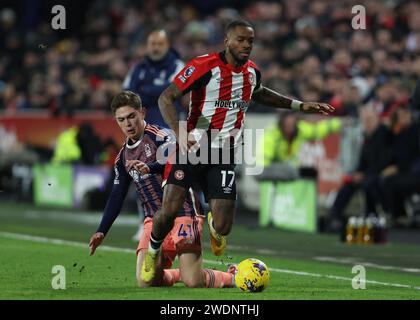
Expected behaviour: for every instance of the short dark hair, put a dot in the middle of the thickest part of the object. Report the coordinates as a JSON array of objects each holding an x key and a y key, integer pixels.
[
  {"x": 238, "y": 23},
  {"x": 126, "y": 98}
]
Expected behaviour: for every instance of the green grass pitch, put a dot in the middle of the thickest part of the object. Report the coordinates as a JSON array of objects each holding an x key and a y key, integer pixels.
[{"x": 303, "y": 266}]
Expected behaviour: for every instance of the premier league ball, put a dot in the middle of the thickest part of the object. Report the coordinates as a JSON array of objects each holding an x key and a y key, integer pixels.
[{"x": 252, "y": 275}]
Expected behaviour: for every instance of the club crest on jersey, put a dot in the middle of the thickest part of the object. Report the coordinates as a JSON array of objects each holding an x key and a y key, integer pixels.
[
  {"x": 251, "y": 79},
  {"x": 179, "y": 175},
  {"x": 189, "y": 71},
  {"x": 236, "y": 95}
]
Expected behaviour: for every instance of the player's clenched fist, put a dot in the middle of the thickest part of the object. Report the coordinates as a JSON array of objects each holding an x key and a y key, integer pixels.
[{"x": 95, "y": 241}]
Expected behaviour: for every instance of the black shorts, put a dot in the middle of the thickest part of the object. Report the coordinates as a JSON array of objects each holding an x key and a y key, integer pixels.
[{"x": 217, "y": 181}]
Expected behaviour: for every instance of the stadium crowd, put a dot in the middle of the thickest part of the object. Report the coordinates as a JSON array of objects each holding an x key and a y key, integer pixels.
[{"x": 304, "y": 48}]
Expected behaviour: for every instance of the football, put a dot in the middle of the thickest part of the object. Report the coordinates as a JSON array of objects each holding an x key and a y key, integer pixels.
[{"x": 252, "y": 275}]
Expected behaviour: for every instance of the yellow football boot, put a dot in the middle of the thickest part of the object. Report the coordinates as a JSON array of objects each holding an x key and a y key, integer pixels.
[
  {"x": 148, "y": 268},
  {"x": 217, "y": 241}
]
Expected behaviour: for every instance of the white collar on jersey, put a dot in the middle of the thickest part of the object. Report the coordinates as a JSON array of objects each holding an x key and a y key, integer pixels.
[{"x": 136, "y": 144}]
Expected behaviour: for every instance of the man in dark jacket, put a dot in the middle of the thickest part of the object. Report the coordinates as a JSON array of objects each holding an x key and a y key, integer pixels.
[
  {"x": 415, "y": 102},
  {"x": 375, "y": 155},
  {"x": 150, "y": 76},
  {"x": 402, "y": 177}
]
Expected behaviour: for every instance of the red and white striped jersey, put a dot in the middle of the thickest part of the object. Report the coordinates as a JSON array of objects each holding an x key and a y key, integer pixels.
[{"x": 219, "y": 95}]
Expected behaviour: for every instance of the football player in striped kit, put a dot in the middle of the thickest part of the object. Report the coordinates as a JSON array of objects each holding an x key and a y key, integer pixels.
[{"x": 221, "y": 86}]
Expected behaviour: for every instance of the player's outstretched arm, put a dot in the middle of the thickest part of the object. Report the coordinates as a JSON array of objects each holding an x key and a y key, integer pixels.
[
  {"x": 273, "y": 99},
  {"x": 113, "y": 205}
]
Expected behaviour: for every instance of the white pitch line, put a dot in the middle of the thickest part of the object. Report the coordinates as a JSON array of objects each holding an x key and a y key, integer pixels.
[
  {"x": 353, "y": 261},
  {"x": 318, "y": 275},
  {"x": 27, "y": 237},
  {"x": 83, "y": 218},
  {"x": 131, "y": 251}
]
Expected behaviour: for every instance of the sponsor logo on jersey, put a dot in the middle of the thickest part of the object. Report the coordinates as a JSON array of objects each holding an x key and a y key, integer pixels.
[
  {"x": 179, "y": 175},
  {"x": 229, "y": 104},
  {"x": 135, "y": 175},
  {"x": 182, "y": 78}
]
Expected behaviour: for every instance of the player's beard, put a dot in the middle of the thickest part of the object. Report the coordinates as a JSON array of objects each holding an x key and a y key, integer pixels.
[{"x": 240, "y": 61}]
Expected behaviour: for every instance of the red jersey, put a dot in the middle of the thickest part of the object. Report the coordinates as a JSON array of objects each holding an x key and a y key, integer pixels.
[{"x": 219, "y": 95}]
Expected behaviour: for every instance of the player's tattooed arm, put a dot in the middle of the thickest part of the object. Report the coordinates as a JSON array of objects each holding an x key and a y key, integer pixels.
[
  {"x": 273, "y": 99},
  {"x": 168, "y": 111},
  {"x": 167, "y": 107}
]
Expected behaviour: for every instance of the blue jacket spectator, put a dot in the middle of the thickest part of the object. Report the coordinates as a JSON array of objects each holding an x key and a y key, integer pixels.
[{"x": 150, "y": 76}]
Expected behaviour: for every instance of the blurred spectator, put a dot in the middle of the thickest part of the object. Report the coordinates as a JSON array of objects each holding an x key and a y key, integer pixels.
[
  {"x": 153, "y": 74},
  {"x": 415, "y": 102},
  {"x": 304, "y": 47},
  {"x": 79, "y": 144},
  {"x": 67, "y": 149},
  {"x": 90, "y": 145},
  {"x": 375, "y": 155},
  {"x": 14, "y": 152},
  {"x": 282, "y": 142},
  {"x": 402, "y": 176}
]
